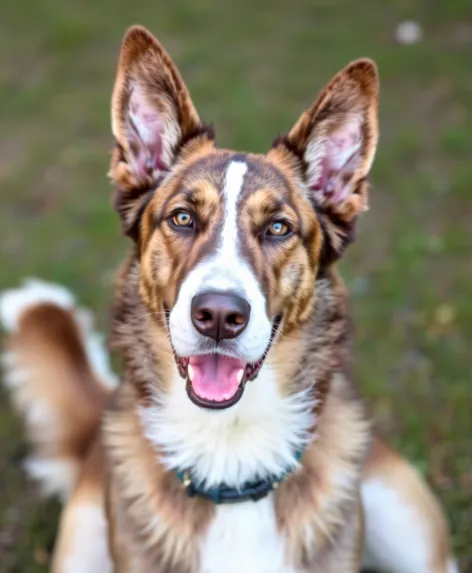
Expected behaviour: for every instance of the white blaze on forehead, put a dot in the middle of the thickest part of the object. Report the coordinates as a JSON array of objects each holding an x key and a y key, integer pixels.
[{"x": 234, "y": 181}]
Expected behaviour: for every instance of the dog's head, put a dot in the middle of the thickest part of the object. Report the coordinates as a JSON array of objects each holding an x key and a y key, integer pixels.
[{"x": 230, "y": 244}]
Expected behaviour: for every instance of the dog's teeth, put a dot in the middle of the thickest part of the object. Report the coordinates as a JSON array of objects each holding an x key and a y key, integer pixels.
[
  {"x": 190, "y": 372},
  {"x": 240, "y": 375}
]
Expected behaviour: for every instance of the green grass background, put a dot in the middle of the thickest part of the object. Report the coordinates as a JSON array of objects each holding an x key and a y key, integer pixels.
[{"x": 252, "y": 67}]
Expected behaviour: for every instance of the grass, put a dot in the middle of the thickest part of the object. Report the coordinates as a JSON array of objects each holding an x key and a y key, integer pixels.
[{"x": 252, "y": 68}]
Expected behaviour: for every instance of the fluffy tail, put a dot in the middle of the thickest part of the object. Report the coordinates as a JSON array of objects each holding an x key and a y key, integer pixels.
[{"x": 57, "y": 371}]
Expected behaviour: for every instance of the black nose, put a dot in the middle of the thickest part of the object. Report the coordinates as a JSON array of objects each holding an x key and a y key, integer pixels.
[{"x": 220, "y": 315}]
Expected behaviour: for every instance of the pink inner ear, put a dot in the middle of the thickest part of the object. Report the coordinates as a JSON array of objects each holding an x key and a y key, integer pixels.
[
  {"x": 336, "y": 159},
  {"x": 146, "y": 134}
]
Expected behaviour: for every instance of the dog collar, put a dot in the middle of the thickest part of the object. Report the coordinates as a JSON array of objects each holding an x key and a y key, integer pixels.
[{"x": 249, "y": 491}]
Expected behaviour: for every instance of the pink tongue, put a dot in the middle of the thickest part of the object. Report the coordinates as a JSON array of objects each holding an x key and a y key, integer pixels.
[{"x": 215, "y": 377}]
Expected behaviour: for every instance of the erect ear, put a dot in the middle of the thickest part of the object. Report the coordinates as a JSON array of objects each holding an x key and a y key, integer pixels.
[
  {"x": 335, "y": 141},
  {"x": 153, "y": 118}
]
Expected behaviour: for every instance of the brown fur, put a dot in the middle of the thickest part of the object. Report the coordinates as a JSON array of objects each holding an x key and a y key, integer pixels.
[
  {"x": 156, "y": 524},
  {"x": 60, "y": 387}
]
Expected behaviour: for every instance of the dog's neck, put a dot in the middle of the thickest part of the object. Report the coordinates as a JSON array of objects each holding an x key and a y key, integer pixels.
[{"x": 276, "y": 418}]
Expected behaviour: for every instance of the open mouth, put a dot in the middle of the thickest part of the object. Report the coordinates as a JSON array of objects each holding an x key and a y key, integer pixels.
[{"x": 217, "y": 382}]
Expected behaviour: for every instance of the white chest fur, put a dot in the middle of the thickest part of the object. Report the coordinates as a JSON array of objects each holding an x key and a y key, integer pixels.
[{"x": 243, "y": 538}]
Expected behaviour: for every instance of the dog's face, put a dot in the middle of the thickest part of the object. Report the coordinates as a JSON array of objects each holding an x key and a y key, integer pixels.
[{"x": 230, "y": 243}]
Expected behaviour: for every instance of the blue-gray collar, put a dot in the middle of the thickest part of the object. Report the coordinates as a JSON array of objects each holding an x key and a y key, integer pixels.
[{"x": 249, "y": 491}]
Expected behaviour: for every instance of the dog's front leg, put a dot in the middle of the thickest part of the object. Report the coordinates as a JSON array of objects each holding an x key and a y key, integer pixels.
[
  {"x": 82, "y": 543},
  {"x": 406, "y": 531}
]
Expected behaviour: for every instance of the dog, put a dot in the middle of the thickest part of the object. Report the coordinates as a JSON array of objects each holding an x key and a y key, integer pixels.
[{"x": 236, "y": 440}]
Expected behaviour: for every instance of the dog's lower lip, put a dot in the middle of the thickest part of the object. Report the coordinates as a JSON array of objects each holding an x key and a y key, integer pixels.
[{"x": 213, "y": 405}]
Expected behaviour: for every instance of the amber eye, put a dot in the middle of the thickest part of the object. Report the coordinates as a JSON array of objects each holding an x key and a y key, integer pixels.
[
  {"x": 278, "y": 229},
  {"x": 182, "y": 219}
]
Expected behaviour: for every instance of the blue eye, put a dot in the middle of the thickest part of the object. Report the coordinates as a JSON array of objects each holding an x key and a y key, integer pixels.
[
  {"x": 278, "y": 229},
  {"x": 182, "y": 219}
]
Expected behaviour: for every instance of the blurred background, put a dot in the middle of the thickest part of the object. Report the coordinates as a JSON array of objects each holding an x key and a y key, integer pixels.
[{"x": 252, "y": 68}]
